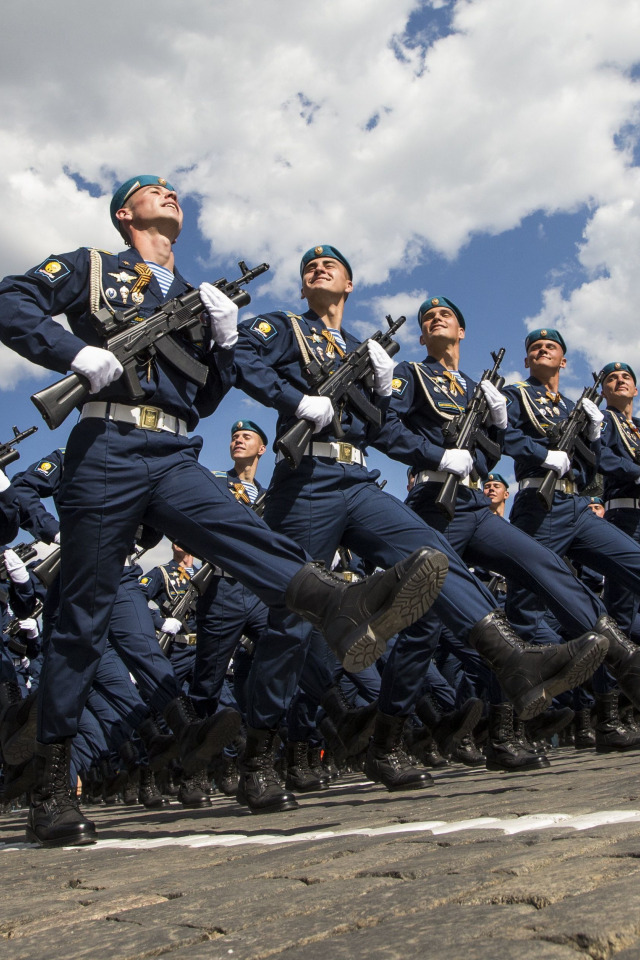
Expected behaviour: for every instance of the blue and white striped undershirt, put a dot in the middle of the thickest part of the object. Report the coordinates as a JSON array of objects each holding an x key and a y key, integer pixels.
[
  {"x": 339, "y": 339},
  {"x": 250, "y": 489},
  {"x": 162, "y": 275}
]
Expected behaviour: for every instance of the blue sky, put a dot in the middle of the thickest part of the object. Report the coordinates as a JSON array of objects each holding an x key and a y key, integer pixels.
[{"x": 479, "y": 149}]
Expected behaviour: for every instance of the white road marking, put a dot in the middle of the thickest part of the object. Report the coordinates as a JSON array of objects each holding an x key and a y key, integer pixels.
[{"x": 508, "y": 826}]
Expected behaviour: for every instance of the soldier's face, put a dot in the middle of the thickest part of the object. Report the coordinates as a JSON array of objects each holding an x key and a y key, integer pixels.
[
  {"x": 619, "y": 385},
  {"x": 245, "y": 444},
  {"x": 325, "y": 273},
  {"x": 152, "y": 204},
  {"x": 440, "y": 322},
  {"x": 496, "y": 491},
  {"x": 597, "y": 508},
  {"x": 545, "y": 355}
]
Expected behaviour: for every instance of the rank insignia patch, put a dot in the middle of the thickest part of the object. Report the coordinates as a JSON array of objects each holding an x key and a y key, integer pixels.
[
  {"x": 53, "y": 270},
  {"x": 143, "y": 580},
  {"x": 45, "y": 468},
  {"x": 399, "y": 385},
  {"x": 264, "y": 328}
]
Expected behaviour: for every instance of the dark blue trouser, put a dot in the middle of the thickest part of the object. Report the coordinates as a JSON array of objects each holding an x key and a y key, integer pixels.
[
  {"x": 570, "y": 529},
  {"x": 115, "y": 476},
  {"x": 488, "y": 541},
  {"x": 620, "y": 601},
  {"x": 323, "y": 504}
]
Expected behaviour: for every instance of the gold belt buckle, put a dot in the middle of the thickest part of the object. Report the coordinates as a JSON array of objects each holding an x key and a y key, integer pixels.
[
  {"x": 191, "y": 639},
  {"x": 150, "y": 418},
  {"x": 345, "y": 452}
]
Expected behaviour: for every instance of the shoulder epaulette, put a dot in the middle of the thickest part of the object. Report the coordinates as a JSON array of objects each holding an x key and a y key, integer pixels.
[{"x": 219, "y": 473}]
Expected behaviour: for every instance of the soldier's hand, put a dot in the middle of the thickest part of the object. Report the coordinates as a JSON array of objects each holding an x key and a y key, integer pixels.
[
  {"x": 16, "y": 568},
  {"x": 319, "y": 410},
  {"x": 171, "y": 625},
  {"x": 30, "y": 627},
  {"x": 459, "y": 462},
  {"x": 557, "y": 460},
  {"x": 222, "y": 313},
  {"x": 5, "y": 483},
  {"x": 596, "y": 416},
  {"x": 99, "y": 366},
  {"x": 497, "y": 404},
  {"x": 383, "y": 367}
]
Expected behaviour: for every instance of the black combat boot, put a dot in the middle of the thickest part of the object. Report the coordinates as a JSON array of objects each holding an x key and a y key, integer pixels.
[
  {"x": 300, "y": 776},
  {"x": 532, "y": 674},
  {"x": 195, "y": 788},
  {"x": 317, "y": 765},
  {"x": 387, "y": 761},
  {"x": 148, "y": 794},
  {"x": 161, "y": 747},
  {"x": 18, "y": 780},
  {"x": 535, "y": 747},
  {"x": 357, "y": 619},
  {"x": 353, "y": 725},
  {"x": 18, "y": 722},
  {"x": 450, "y": 728},
  {"x": 547, "y": 724},
  {"x": 200, "y": 740},
  {"x": 423, "y": 747},
  {"x": 466, "y": 751},
  {"x": 584, "y": 734},
  {"x": 225, "y": 774},
  {"x": 54, "y": 816},
  {"x": 611, "y": 734},
  {"x": 623, "y": 658},
  {"x": 503, "y": 750},
  {"x": 259, "y": 787}
]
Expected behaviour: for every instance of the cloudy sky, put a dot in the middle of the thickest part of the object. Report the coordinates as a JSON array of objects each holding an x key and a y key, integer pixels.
[{"x": 486, "y": 150}]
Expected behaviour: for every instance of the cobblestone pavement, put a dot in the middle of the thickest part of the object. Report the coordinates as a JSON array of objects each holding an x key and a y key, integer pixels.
[{"x": 537, "y": 866}]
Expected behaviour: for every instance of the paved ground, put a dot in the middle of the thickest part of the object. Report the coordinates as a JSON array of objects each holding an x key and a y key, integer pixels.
[{"x": 541, "y": 866}]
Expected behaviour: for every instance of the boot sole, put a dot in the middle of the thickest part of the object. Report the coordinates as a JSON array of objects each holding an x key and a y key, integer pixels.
[
  {"x": 273, "y": 808},
  {"x": 81, "y": 841},
  {"x": 574, "y": 674},
  {"x": 414, "y": 595}
]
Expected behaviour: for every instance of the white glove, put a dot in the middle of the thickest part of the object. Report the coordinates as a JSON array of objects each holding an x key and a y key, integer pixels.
[
  {"x": 319, "y": 410},
  {"x": 99, "y": 366},
  {"x": 383, "y": 367},
  {"x": 15, "y": 567},
  {"x": 455, "y": 461},
  {"x": 497, "y": 404},
  {"x": 5, "y": 483},
  {"x": 222, "y": 313},
  {"x": 595, "y": 418},
  {"x": 30, "y": 627},
  {"x": 171, "y": 625},
  {"x": 557, "y": 460},
  {"x": 56, "y": 539}
]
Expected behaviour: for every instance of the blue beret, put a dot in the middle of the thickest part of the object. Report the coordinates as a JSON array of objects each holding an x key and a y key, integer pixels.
[
  {"x": 497, "y": 478},
  {"x": 544, "y": 334},
  {"x": 598, "y": 500},
  {"x": 130, "y": 186},
  {"x": 324, "y": 250},
  {"x": 249, "y": 425},
  {"x": 618, "y": 365},
  {"x": 439, "y": 302}
]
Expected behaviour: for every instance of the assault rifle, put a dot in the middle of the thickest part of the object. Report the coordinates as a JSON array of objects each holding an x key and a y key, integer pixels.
[
  {"x": 465, "y": 432},
  {"x": 340, "y": 385},
  {"x": 14, "y": 642},
  {"x": 567, "y": 436},
  {"x": 181, "y": 609},
  {"x": 8, "y": 453},
  {"x": 26, "y": 552},
  {"x": 47, "y": 570},
  {"x": 135, "y": 341}
]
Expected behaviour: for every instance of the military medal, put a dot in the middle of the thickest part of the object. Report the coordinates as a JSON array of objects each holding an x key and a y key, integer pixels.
[
  {"x": 110, "y": 293},
  {"x": 124, "y": 293},
  {"x": 137, "y": 297}
]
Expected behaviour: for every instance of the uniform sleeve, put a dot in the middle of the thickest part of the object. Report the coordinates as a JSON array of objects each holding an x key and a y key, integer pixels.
[
  {"x": 28, "y": 304},
  {"x": 39, "y": 481},
  {"x": 9, "y": 515},
  {"x": 614, "y": 463},
  {"x": 152, "y": 586},
  {"x": 528, "y": 451},
  {"x": 263, "y": 343},
  {"x": 395, "y": 438}
]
